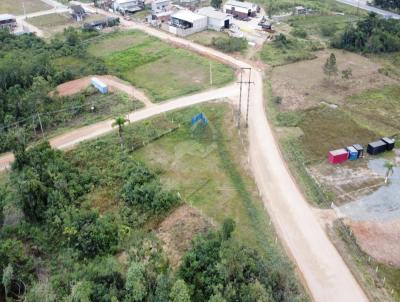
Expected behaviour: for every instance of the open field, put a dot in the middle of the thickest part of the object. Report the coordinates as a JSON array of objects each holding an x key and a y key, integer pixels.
[
  {"x": 303, "y": 84},
  {"x": 16, "y": 7},
  {"x": 205, "y": 37},
  {"x": 163, "y": 71}
]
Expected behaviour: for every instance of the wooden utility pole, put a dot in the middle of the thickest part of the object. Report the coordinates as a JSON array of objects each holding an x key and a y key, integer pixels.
[{"x": 240, "y": 96}]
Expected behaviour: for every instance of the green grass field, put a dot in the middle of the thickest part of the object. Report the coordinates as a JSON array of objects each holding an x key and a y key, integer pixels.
[
  {"x": 205, "y": 37},
  {"x": 16, "y": 7},
  {"x": 163, "y": 71}
]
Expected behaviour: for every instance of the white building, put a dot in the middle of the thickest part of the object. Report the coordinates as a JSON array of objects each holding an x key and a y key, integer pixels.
[
  {"x": 216, "y": 20},
  {"x": 185, "y": 22},
  {"x": 8, "y": 21},
  {"x": 158, "y": 6},
  {"x": 241, "y": 9},
  {"x": 127, "y": 6}
]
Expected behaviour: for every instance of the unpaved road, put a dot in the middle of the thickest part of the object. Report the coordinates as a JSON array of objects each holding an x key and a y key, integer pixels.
[
  {"x": 326, "y": 275},
  {"x": 75, "y": 86}
]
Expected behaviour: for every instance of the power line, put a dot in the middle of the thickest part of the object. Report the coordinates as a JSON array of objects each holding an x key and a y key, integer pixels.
[{"x": 248, "y": 95}]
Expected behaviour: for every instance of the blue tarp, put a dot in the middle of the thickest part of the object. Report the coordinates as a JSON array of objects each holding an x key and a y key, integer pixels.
[{"x": 199, "y": 117}]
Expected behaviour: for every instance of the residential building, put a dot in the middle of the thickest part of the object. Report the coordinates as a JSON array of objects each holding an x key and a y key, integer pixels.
[
  {"x": 241, "y": 9},
  {"x": 127, "y": 6},
  {"x": 216, "y": 20},
  {"x": 159, "y": 6},
  {"x": 185, "y": 22},
  {"x": 8, "y": 21}
]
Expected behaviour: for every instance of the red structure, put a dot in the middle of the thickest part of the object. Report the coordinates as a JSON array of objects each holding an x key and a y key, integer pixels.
[{"x": 338, "y": 156}]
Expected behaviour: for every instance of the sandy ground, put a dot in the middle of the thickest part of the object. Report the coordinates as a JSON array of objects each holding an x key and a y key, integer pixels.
[
  {"x": 73, "y": 87},
  {"x": 325, "y": 273},
  {"x": 303, "y": 84},
  {"x": 379, "y": 240},
  {"x": 178, "y": 229}
]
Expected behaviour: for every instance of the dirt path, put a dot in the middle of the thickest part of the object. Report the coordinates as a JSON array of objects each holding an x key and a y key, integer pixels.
[
  {"x": 73, "y": 87},
  {"x": 326, "y": 275}
]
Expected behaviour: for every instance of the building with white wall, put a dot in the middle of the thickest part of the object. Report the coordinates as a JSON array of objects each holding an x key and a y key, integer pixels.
[
  {"x": 241, "y": 9},
  {"x": 185, "y": 22},
  {"x": 216, "y": 20}
]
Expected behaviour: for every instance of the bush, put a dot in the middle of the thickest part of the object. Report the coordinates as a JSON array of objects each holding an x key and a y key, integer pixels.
[
  {"x": 230, "y": 44},
  {"x": 328, "y": 30},
  {"x": 299, "y": 32}
]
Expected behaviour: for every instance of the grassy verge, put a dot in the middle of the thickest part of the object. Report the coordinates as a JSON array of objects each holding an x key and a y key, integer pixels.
[
  {"x": 163, "y": 71},
  {"x": 17, "y": 6}
]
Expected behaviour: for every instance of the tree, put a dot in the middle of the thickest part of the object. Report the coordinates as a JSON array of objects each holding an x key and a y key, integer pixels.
[
  {"x": 228, "y": 226},
  {"x": 120, "y": 122},
  {"x": 389, "y": 170},
  {"x": 180, "y": 292},
  {"x": 330, "y": 67},
  {"x": 80, "y": 292},
  {"x": 136, "y": 282},
  {"x": 216, "y": 3},
  {"x": 8, "y": 274}
]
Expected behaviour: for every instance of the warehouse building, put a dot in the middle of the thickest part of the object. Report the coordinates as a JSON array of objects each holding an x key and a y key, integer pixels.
[
  {"x": 216, "y": 20},
  {"x": 8, "y": 21},
  {"x": 185, "y": 22},
  {"x": 241, "y": 9},
  {"x": 127, "y": 6}
]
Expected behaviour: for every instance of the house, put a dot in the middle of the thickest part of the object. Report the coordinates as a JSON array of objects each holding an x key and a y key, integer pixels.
[
  {"x": 185, "y": 22},
  {"x": 78, "y": 12},
  {"x": 158, "y": 6},
  {"x": 127, "y": 6},
  {"x": 8, "y": 21},
  {"x": 159, "y": 18},
  {"x": 100, "y": 24},
  {"x": 216, "y": 20},
  {"x": 241, "y": 9},
  {"x": 300, "y": 10}
]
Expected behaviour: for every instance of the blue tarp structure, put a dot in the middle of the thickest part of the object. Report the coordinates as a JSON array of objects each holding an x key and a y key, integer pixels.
[
  {"x": 199, "y": 117},
  {"x": 353, "y": 153}
]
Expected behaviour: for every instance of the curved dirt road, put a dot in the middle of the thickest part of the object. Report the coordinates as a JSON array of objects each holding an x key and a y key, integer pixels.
[{"x": 324, "y": 271}]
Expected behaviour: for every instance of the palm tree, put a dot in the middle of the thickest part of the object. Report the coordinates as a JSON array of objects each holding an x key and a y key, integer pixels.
[
  {"x": 389, "y": 170},
  {"x": 120, "y": 122}
]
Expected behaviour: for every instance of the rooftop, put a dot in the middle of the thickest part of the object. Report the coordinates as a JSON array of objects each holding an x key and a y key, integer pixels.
[
  {"x": 4, "y": 17},
  {"x": 247, "y": 5},
  {"x": 338, "y": 152},
  {"x": 187, "y": 15},
  {"x": 212, "y": 13}
]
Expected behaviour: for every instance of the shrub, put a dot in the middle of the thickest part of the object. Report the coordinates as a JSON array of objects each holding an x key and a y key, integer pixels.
[
  {"x": 230, "y": 44},
  {"x": 299, "y": 32}
]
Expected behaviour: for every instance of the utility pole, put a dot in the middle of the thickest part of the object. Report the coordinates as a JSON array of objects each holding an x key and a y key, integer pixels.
[
  {"x": 240, "y": 98},
  {"x": 248, "y": 96},
  {"x": 211, "y": 74},
  {"x": 40, "y": 123}
]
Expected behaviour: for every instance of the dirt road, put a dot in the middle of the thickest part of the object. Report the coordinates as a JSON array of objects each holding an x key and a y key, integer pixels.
[{"x": 324, "y": 271}]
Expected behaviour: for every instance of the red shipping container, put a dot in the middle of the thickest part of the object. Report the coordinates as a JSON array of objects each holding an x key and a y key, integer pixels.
[{"x": 338, "y": 156}]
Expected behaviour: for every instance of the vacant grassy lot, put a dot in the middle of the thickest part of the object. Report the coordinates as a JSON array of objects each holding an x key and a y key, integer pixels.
[
  {"x": 161, "y": 70},
  {"x": 205, "y": 37},
  {"x": 16, "y": 7},
  {"x": 276, "y": 54},
  {"x": 54, "y": 23},
  {"x": 304, "y": 84}
]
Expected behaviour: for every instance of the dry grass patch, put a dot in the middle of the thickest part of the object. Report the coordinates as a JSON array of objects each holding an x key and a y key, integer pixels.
[
  {"x": 16, "y": 7},
  {"x": 303, "y": 85}
]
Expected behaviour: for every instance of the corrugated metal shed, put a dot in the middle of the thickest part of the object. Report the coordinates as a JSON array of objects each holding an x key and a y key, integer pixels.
[
  {"x": 338, "y": 156},
  {"x": 360, "y": 150},
  {"x": 353, "y": 153},
  {"x": 389, "y": 143},
  {"x": 376, "y": 147}
]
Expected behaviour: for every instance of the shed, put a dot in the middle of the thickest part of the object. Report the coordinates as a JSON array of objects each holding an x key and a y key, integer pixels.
[
  {"x": 100, "y": 86},
  {"x": 376, "y": 147},
  {"x": 216, "y": 20},
  {"x": 389, "y": 143},
  {"x": 78, "y": 12},
  {"x": 300, "y": 10},
  {"x": 128, "y": 6},
  {"x": 185, "y": 22},
  {"x": 353, "y": 153},
  {"x": 360, "y": 150},
  {"x": 8, "y": 21},
  {"x": 338, "y": 156},
  {"x": 158, "y": 6},
  {"x": 241, "y": 9}
]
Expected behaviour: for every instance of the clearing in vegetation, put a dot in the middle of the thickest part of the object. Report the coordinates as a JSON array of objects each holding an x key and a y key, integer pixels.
[
  {"x": 164, "y": 72},
  {"x": 16, "y": 7}
]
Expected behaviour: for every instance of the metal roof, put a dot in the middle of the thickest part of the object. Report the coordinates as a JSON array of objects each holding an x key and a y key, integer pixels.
[
  {"x": 187, "y": 15},
  {"x": 338, "y": 152},
  {"x": 5, "y": 17},
  {"x": 247, "y": 5},
  {"x": 211, "y": 12}
]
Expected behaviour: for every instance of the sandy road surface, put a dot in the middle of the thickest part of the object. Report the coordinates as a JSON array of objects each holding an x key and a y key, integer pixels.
[
  {"x": 75, "y": 86},
  {"x": 74, "y": 137},
  {"x": 324, "y": 271}
]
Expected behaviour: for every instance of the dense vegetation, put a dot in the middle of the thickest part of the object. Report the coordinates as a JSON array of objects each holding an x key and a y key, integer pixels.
[
  {"x": 372, "y": 34},
  {"x": 387, "y": 4},
  {"x": 55, "y": 247},
  {"x": 29, "y": 71}
]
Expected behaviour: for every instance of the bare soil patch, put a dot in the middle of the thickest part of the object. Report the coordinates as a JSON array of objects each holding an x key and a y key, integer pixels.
[
  {"x": 114, "y": 83},
  {"x": 178, "y": 229},
  {"x": 379, "y": 240},
  {"x": 303, "y": 85},
  {"x": 348, "y": 181}
]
